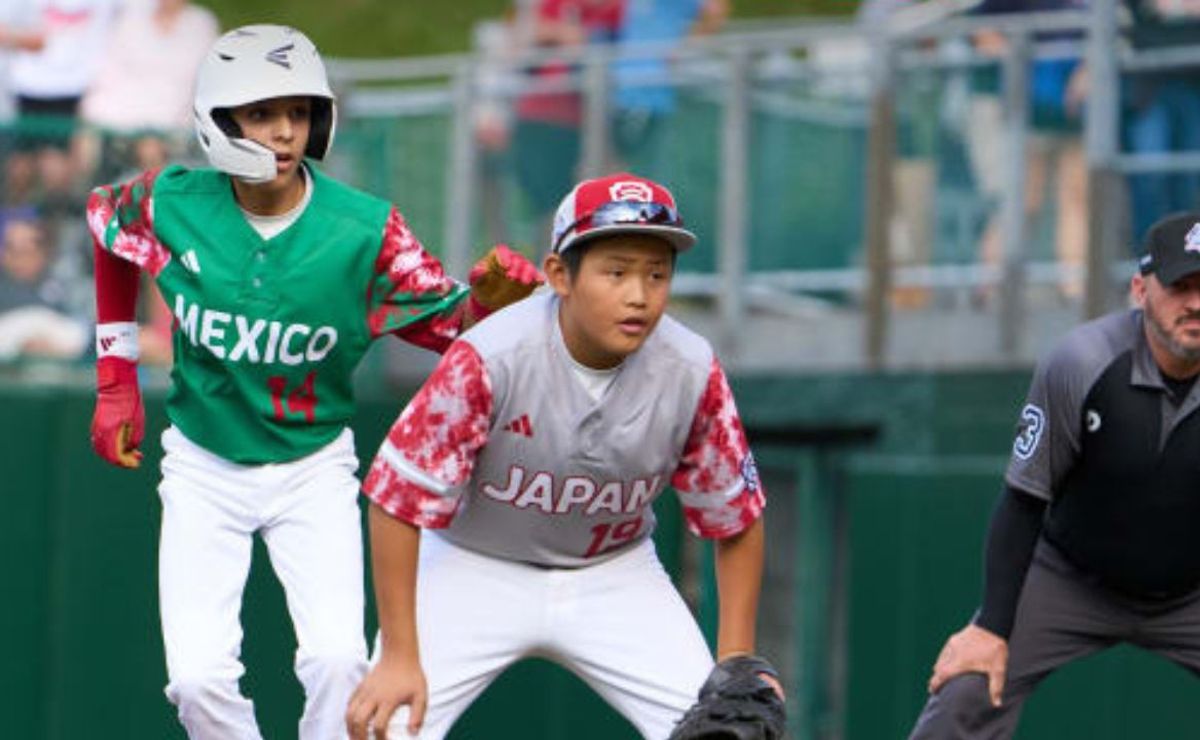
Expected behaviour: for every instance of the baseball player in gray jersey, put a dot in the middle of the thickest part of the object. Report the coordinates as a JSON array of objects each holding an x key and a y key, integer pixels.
[
  {"x": 511, "y": 502},
  {"x": 1094, "y": 541}
]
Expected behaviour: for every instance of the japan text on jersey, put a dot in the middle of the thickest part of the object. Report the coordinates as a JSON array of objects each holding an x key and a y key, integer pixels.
[{"x": 506, "y": 454}]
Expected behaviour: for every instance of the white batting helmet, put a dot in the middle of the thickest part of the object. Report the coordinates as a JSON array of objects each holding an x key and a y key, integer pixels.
[{"x": 255, "y": 63}]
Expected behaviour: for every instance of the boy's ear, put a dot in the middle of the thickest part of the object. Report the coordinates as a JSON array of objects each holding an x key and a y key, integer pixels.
[{"x": 557, "y": 275}]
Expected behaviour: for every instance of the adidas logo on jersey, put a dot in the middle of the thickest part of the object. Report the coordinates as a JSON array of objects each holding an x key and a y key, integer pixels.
[
  {"x": 190, "y": 261},
  {"x": 520, "y": 425}
]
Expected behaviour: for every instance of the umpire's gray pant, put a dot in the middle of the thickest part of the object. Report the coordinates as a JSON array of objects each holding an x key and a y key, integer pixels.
[{"x": 1061, "y": 616}]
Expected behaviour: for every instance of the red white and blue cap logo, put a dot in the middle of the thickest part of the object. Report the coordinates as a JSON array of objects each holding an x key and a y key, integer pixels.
[
  {"x": 617, "y": 204},
  {"x": 634, "y": 190},
  {"x": 1191, "y": 242}
]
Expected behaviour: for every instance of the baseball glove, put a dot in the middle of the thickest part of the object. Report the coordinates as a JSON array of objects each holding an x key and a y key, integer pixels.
[
  {"x": 735, "y": 704},
  {"x": 499, "y": 278}
]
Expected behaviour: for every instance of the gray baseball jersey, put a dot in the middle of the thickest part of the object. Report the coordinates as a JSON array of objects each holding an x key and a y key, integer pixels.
[
  {"x": 1113, "y": 447},
  {"x": 504, "y": 450}
]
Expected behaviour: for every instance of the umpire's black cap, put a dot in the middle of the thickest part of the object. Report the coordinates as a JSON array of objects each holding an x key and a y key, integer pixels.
[{"x": 1172, "y": 247}]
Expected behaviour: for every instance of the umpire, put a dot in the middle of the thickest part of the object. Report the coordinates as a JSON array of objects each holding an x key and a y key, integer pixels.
[{"x": 1094, "y": 540}]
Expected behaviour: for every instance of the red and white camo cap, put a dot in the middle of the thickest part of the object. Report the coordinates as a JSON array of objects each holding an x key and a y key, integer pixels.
[{"x": 618, "y": 204}]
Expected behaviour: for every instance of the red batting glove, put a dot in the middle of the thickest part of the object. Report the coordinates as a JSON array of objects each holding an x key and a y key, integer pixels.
[
  {"x": 499, "y": 278},
  {"x": 119, "y": 421}
]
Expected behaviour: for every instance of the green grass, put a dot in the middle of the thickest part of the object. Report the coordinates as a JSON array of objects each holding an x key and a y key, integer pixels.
[
  {"x": 368, "y": 28},
  {"x": 389, "y": 28}
]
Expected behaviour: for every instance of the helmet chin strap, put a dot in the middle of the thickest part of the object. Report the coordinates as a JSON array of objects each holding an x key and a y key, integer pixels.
[
  {"x": 254, "y": 179},
  {"x": 265, "y": 166}
]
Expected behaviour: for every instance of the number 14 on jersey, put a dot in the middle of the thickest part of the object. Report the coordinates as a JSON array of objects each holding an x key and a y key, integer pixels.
[{"x": 300, "y": 400}]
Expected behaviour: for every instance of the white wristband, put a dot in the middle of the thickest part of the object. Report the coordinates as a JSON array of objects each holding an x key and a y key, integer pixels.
[{"x": 117, "y": 339}]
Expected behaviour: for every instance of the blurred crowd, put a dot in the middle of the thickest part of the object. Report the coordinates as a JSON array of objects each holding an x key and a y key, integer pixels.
[
  {"x": 90, "y": 91},
  {"x": 1159, "y": 114},
  {"x": 93, "y": 90},
  {"x": 537, "y": 137}
]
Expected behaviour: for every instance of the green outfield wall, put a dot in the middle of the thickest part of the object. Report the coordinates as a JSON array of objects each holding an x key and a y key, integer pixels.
[{"x": 880, "y": 489}]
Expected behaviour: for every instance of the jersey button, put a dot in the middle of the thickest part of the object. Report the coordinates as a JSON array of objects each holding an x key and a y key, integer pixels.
[
  {"x": 256, "y": 282},
  {"x": 260, "y": 256}
]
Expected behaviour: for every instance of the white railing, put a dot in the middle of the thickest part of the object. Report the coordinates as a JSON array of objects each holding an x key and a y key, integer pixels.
[{"x": 748, "y": 73}]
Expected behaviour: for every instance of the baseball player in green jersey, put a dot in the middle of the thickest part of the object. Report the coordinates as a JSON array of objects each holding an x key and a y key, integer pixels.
[{"x": 279, "y": 278}]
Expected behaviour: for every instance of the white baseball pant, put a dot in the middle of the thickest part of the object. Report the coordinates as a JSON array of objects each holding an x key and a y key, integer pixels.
[
  {"x": 308, "y": 516},
  {"x": 620, "y": 626}
]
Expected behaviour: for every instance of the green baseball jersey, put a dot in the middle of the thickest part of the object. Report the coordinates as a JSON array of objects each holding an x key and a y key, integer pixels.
[{"x": 267, "y": 332}]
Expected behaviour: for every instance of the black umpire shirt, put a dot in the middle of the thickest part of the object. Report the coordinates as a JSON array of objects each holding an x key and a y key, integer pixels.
[{"x": 1108, "y": 444}]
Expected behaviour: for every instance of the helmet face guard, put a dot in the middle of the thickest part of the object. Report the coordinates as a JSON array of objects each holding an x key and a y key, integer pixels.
[{"x": 255, "y": 63}]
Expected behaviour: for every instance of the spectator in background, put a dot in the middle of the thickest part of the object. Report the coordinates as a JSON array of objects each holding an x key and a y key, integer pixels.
[
  {"x": 914, "y": 169},
  {"x": 1057, "y": 91},
  {"x": 33, "y": 321},
  {"x": 141, "y": 101},
  {"x": 141, "y": 96},
  {"x": 58, "y": 56},
  {"x": 13, "y": 17},
  {"x": 495, "y": 41},
  {"x": 1162, "y": 109},
  {"x": 641, "y": 106},
  {"x": 546, "y": 141}
]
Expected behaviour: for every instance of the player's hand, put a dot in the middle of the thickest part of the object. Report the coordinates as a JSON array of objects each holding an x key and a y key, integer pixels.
[
  {"x": 499, "y": 278},
  {"x": 771, "y": 680},
  {"x": 119, "y": 421},
  {"x": 392, "y": 683},
  {"x": 973, "y": 650}
]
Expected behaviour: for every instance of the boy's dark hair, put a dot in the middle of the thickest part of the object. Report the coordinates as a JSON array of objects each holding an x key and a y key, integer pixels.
[{"x": 573, "y": 257}]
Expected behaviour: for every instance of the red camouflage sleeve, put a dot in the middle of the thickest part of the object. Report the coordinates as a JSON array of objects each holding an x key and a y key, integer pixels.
[
  {"x": 716, "y": 479},
  {"x": 430, "y": 452},
  {"x": 410, "y": 294},
  {"x": 121, "y": 221}
]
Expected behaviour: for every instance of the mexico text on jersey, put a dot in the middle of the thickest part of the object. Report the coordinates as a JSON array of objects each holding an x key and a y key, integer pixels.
[
  {"x": 269, "y": 331},
  {"x": 240, "y": 339}
]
